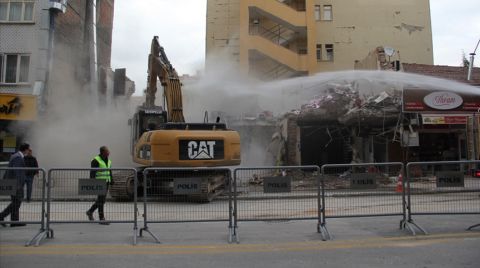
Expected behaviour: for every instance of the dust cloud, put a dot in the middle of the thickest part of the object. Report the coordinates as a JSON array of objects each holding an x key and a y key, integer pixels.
[
  {"x": 76, "y": 125},
  {"x": 224, "y": 91}
]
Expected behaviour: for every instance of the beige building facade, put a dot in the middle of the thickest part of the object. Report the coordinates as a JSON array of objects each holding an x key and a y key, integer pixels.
[{"x": 273, "y": 39}]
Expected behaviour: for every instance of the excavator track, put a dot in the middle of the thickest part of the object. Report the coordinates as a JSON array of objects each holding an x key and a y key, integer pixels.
[
  {"x": 212, "y": 185},
  {"x": 122, "y": 188}
]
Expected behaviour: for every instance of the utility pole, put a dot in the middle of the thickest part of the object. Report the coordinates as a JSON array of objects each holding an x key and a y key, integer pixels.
[{"x": 472, "y": 59}]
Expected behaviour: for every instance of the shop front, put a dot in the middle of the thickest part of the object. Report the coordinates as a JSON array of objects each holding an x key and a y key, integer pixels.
[
  {"x": 443, "y": 125},
  {"x": 17, "y": 114}
]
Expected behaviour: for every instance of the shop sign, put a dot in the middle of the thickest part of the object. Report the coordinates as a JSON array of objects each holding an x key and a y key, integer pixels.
[
  {"x": 184, "y": 186},
  {"x": 423, "y": 100},
  {"x": 92, "y": 187},
  {"x": 18, "y": 107},
  {"x": 277, "y": 184},
  {"x": 363, "y": 181},
  {"x": 443, "y": 100},
  {"x": 444, "y": 120},
  {"x": 450, "y": 179}
]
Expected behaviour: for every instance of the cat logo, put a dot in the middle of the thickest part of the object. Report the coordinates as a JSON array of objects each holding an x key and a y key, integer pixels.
[{"x": 201, "y": 149}]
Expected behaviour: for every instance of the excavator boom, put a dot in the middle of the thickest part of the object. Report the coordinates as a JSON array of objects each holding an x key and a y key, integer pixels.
[{"x": 159, "y": 66}]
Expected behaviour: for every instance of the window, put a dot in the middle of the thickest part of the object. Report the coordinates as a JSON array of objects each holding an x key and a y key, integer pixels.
[
  {"x": 11, "y": 69},
  {"x": 24, "y": 66},
  {"x": 144, "y": 152},
  {"x": 329, "y": 49},
  {"x": 16, "y": 11},
  {"x": 14, "y": 68},
  {"x": 317, "y": 12},
  {"x": 3, "y": 11},
  {"x": 327, "y": 12},
  {"x": 28, "y": 12},
  {"x": 319, "y": 52}
]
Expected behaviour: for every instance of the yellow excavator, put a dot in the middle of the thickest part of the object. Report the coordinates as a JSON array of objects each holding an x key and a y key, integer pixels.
[{"x": 161, "y": 138}]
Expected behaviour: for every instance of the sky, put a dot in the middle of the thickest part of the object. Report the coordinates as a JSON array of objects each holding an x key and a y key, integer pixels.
[{"x": 180, "y": 26}]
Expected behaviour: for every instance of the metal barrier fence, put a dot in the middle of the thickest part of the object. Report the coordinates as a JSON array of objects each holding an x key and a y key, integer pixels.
[
  {"x": 73, "y": 192},
  {"x": 13, "y": 196},
  {"x": 3, "y": 165},
  {"x": 361, "y": 190},
  {"x": 178, "y": 195},
  {"x": 174, "y": 195},
  {"x": 275, "y": 194},
  {"x": 443, "y": 188}
]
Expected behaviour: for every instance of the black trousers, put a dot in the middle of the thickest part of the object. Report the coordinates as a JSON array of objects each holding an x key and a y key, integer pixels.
[
  {"x": 99, "y": 204},
  {"x": 13, "y": 209}
]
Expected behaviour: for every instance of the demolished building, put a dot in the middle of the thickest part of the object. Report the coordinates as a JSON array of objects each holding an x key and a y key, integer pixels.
[
  {"x": 340, "y": 126},
  {"x": 393, "y": 123}
]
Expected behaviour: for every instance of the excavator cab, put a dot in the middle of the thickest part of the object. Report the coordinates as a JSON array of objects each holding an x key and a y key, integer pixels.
[{"x": 146, "y": 119}]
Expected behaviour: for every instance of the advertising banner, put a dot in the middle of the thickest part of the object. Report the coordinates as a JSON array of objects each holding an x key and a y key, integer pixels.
[{"x": 18, "y": 107}]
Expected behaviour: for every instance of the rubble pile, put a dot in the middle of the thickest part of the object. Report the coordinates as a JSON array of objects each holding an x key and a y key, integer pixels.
[
  {"x": 342, "y": 104},
  {"x": 378, "y": 110},
  {"x": 328, "y": 107}
]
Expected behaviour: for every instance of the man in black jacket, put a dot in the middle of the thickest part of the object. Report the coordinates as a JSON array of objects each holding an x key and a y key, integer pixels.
[
  {"x": 31, "y": 162},
  {"x": 16, "y": 161}
]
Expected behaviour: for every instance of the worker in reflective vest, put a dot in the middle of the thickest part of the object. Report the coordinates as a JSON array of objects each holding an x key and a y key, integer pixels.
[{"x": 101, "y": 161}]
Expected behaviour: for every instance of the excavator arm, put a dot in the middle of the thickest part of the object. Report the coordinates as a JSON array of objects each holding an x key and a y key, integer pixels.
[{"x": 159, "y": 66}]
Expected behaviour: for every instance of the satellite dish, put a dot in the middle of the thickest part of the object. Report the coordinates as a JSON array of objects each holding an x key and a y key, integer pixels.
[{"x": 389, "y": 51}]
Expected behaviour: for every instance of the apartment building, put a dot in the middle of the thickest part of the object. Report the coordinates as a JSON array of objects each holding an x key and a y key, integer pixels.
[
  {"x": 26, "y": 86},
  {"x": 273, "y": 39}
]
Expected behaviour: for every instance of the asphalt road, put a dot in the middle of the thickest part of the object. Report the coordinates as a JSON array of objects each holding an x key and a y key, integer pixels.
[{"x": 359, "y": 242}]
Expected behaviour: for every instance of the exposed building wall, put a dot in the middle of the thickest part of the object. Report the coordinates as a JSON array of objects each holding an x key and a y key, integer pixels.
[
  {"x": 378, "y": 60},
  {"x": 71, "y": 58},
  {"x": 70, "y": 29},
  {"x": 355, "y": 29},
  {"x": 68, "y": 63},
  {"x": 291, "y": 133},
  {"x": 223, "y": 29},
  {"x": 358, "y": 27},
  {"x": 105, "y": 14}
]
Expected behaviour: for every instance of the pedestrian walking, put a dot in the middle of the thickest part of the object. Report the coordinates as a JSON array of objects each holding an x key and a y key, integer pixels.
[
  {"x": 16, "y": 161},
  {"x": 101, "y": 161},
  {"x": 30, "y": 162}
]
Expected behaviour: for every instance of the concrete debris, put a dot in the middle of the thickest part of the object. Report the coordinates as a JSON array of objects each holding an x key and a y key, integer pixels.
[
  {"x": 378, "y": 110},
  {"x": 276, "y": 150},
  {"x": 342, "y": 104},
  {"x": 336, "y": 101}
]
